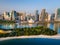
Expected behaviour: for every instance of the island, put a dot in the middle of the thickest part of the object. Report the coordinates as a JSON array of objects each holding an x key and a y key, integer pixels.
[{"x": 39, "y": 30}]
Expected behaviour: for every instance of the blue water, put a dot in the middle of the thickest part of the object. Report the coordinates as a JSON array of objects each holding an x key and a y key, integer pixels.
[
  {"x": 6, "y": 26},
  {"x": 12, "y": 26},
  {"x": 31, "y": 41},
  {"x": 51, "y": 26}
]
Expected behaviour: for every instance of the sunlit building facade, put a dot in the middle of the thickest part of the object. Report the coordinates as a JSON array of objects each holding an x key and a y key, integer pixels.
[
  {"x": 6, "y": 16},
  {"x": 57, "y": 14},
  {"x": 43, "y": 15},
  {"x": 22, "y": 16},
  {"x": 49, "y": 17},
  {"x": 13, "y": 15}
]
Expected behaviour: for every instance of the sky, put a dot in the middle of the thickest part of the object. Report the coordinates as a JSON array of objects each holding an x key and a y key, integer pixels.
[{"x": 29, "y": 5}]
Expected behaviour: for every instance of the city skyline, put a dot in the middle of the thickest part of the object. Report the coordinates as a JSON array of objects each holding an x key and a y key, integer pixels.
[{"x": 29, "y": 5}]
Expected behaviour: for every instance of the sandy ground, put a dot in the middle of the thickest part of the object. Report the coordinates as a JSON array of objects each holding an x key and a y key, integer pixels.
[{"x": 34, "y": 36}]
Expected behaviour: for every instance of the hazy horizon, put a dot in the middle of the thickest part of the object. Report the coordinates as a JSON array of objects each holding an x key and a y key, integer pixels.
[{"x": 29, "y": 5}]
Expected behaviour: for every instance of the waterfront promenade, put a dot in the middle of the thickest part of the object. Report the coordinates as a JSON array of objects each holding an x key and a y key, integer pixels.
[
  {"x": 33, "y": 36},
  {"x": 39, "y": 22}
]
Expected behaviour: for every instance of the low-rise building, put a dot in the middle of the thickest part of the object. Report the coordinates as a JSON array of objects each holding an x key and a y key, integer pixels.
[{"x": 1, "y": 17}]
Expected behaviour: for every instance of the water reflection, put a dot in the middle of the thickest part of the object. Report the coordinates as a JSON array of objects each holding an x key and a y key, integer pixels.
[
  {"x": 26, "y": 25},
  {"x": 57, "y": 27},
  {"x": 54, "y": 26},
  {"x": 7, "y": 26},
  {"x": 50, "y": 25}
]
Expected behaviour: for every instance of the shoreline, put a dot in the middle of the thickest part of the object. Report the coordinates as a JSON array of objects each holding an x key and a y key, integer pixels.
[{"x": 33, "y": 36}]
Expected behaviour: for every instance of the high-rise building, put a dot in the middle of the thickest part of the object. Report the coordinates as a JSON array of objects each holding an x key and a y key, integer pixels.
[
  {"x": 22, "y": 16},
  {"x": 6, "y": 16},
  {"x": 43, "y": 16},
  {"x": 36, "y": 16},
  {"x": 52, "y": 17},
  {"x": 57, "y": 15},
  {"x": 13, "y": 15},
  {"x": 18, "y": 15},
  {"x": 49, "y": 17}
]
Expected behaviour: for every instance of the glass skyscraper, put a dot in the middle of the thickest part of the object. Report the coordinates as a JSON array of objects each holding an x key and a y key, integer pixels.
[
  {"x": 36, "y": 16},
  {"x": 13, "y": 15},
  {"x": 57, "y": 14}
]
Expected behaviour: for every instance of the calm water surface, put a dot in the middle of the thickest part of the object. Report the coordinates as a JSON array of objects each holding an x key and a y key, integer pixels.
[
  {"x": 31, "y": 41},
  {"x": 54, "y": 26}
]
